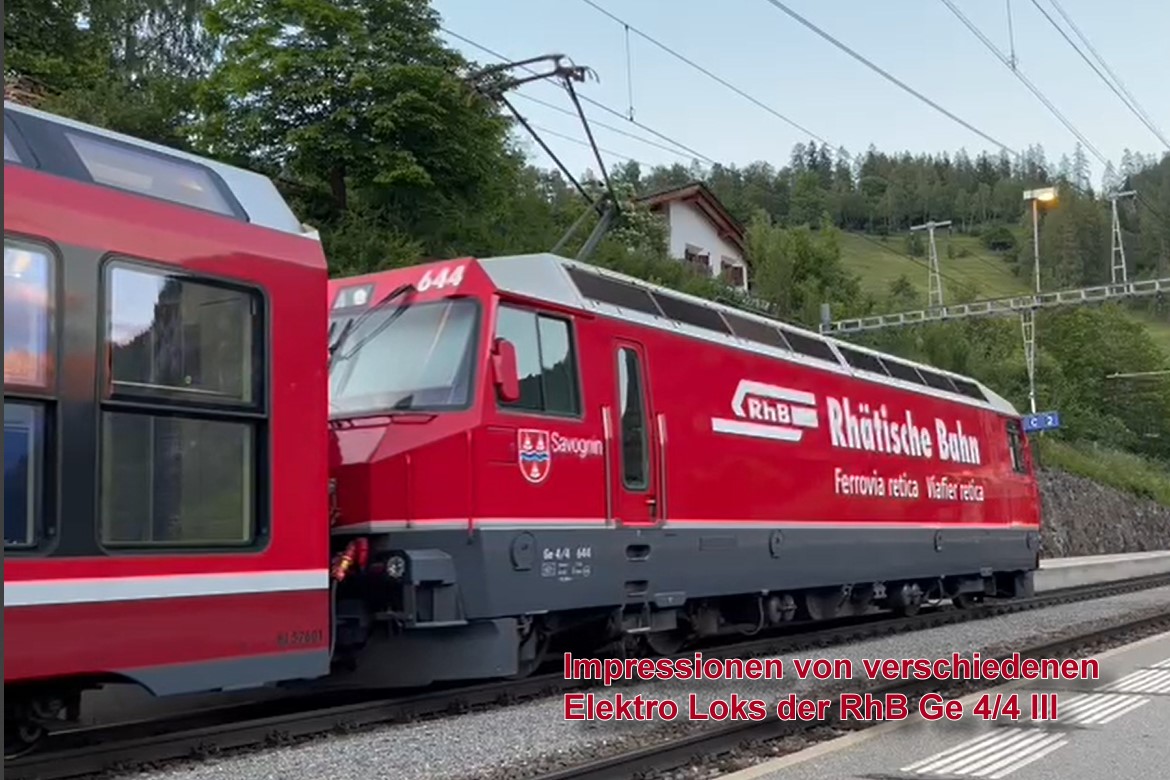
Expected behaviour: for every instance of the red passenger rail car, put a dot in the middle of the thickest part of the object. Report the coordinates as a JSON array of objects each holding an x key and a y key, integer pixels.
[
  {"x": 530, "y": 451},
  {"x": 165, "y": 476}
]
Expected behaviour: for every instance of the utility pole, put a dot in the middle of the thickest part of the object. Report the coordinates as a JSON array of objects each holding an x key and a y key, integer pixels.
[
  {"x": 934, "y": 295},
  {"x": 1118, "y": 268}
]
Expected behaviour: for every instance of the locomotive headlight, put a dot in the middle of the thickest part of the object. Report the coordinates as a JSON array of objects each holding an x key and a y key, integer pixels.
[{"x": 396, "y": 567}]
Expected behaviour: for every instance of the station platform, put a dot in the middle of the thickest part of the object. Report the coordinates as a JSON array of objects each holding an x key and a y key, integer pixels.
[
  {"x": 1057, "y": 573},
  {"x": 1112, "y": 727}
]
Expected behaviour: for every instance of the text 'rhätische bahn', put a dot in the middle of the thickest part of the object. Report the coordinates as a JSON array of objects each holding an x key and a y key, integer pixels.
[{"x": 224, "y": 469}]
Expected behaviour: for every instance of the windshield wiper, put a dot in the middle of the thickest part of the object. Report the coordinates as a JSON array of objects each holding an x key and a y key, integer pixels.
[{"x": 354, "y": 322}]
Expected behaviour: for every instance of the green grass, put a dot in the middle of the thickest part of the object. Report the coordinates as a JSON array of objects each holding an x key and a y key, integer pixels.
[
  {"x": 879, "y": 263},
  {"x": 1121, "y": 470},
  {"x": 1160, "y": 331}
]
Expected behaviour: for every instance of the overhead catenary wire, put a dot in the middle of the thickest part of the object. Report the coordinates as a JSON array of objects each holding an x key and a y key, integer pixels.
[
  {"x": 890, "y": 77},
  {"x": 611, "y": 128},
  {"x": 703, "y": 70},
  {"x": 1023, "y": 79},
  {"x": 1125, "y": 101},
  {"x": 755, "y": 101},
  {"x": 579, "y": 142},
  {"x": 1043, "y": 99},
  {"x": 1133, "y": 101},
  {"x": 841, "y": 151},
  {"x": 695, "y": 153},
  {"x": 503, "y": 58}
]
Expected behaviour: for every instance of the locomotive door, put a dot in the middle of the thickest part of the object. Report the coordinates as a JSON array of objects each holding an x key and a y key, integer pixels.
[{"x": 633, "y": 454}]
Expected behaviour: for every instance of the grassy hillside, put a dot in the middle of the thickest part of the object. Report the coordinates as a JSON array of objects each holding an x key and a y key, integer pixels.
[
  {"x": 1121, "y": 470},
  {"x": 1161, "y": 332},
  {"x": 879, "y": 263}
]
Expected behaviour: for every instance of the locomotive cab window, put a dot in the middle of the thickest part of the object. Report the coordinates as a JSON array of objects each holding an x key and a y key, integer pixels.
[
  {"x": 28, "y": 380},
  {"x": 545, "y": 361},
  {"x": 1016, "y": 447},
  {"x": 404, "y": 356},
  {"x": 183, "y": 420}
]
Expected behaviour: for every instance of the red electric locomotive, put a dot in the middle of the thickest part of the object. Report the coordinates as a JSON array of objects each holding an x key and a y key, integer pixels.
[
  {"x": 529, "y": 448},
  {"x": 165, "y": 482}
]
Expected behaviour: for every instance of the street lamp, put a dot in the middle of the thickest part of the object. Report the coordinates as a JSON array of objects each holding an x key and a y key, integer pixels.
[
  {"x": 1028, "y": 317},
  {"x": 1038, "y": 196}
]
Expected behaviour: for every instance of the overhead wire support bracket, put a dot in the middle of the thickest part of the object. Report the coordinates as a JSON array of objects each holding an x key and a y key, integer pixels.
[
  {"x": 488, "y": 83},
  {"x": 1000, "y": 306},
  {"x": 566, "y": 72}
]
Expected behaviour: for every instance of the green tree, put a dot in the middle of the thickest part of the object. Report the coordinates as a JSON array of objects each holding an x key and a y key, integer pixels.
[{"x": 359, "y": 99}]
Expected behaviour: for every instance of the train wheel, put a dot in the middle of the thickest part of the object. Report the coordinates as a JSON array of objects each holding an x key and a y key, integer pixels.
[
  {"x": 534, "y": 644},
  {"x": 825, "y": 603},
  {"x": 907, "y": 600},
  {"x": 966, "y": 600},
  {"x": 21, "y": 737},
  {"x": 665, "y": 642}
]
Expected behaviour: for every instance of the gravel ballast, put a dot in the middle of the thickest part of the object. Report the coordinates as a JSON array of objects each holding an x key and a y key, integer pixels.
[{"x": 516, "y": 740}]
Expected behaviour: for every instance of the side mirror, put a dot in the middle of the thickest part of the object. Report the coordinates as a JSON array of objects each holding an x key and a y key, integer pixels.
[{"x": 505, "y": 373}]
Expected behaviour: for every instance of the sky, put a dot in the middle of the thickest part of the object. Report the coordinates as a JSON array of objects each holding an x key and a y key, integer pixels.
[{"x": 790, "y": 69}]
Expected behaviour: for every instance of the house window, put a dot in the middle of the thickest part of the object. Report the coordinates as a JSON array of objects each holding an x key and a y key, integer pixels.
[
  {"x": 732, "y": 274},
  {"x": 693, "y": 255}
]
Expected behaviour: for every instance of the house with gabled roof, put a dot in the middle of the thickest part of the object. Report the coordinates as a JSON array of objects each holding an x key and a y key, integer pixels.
[{"x": 701, "y": 231}]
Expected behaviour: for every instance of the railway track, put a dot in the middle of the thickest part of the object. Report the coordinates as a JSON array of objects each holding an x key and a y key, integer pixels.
[
  {"x": 142, "y": 744},
  {"x": 711, "y": 745}
]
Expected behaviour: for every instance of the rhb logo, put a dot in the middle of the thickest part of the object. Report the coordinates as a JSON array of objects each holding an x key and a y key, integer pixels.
[
  {"x": 765, "y": 411},
  {"x": 533, "y": 454}
]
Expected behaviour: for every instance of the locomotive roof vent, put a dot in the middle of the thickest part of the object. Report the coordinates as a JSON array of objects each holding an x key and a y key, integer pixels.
[
  {"x": 595, "y": 285},
  {"x": 624, "y": 295}
]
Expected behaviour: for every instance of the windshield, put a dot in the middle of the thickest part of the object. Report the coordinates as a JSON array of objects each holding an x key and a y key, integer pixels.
[{"x": 422, "y": 359}]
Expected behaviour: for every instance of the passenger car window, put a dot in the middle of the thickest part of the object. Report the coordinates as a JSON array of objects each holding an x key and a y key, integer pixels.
[
  {"x": 179, "y": 338},
  {"x": 176, "y": 481},
  {"x": 183, "y": 421},
  {"x": 23, "y": 464},
  {"x": 124, "y": 167},
  {"x": 28, "y": 311}
]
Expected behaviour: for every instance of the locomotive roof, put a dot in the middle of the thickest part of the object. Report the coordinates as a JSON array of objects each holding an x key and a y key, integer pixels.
[
  {"x": 558, "y": 280},
  {"x": 35, "y": 138}
]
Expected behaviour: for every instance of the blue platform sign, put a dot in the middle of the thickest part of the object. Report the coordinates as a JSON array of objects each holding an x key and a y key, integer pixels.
[{"x": 1041, "y": 421}]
